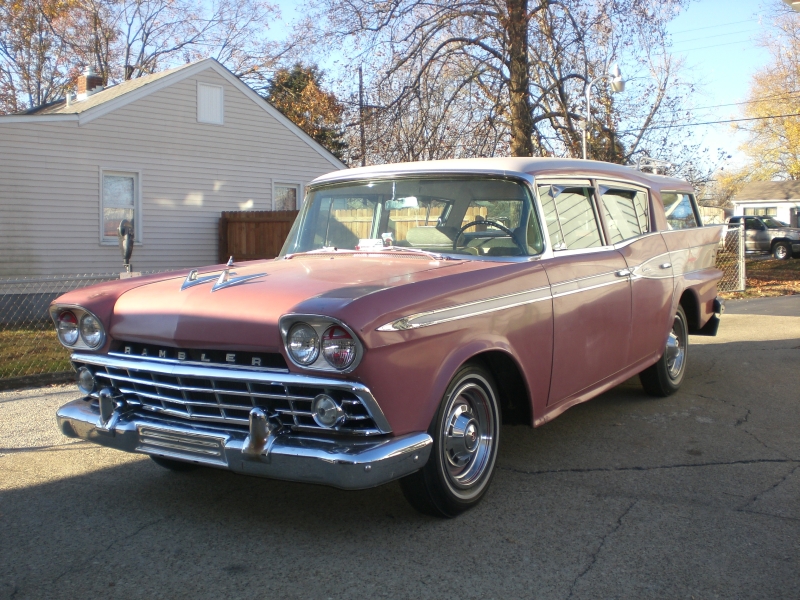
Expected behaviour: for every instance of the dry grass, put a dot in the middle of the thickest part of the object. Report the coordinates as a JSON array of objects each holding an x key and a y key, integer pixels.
[
  {"x": 769, "y": 277},
  {"x": 31, "y": 351}
]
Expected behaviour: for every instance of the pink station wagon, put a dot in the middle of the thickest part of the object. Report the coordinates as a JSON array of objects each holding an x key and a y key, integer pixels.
[{"x": 412, "y": 310}]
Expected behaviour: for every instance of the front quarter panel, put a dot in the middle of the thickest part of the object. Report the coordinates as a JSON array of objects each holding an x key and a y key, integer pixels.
[{"x": 408, "y": 371}]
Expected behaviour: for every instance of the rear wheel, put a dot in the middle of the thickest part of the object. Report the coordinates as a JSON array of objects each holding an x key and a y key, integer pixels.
[
  {"x": 782, "y": 251},
  {"x": 173, "y": 465},
  {"x": 466, "y": 433},
  {"x": 665, "y": 377}
]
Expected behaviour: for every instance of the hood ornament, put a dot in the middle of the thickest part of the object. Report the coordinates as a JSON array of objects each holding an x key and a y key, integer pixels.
[{"x": 224, "y": 279}]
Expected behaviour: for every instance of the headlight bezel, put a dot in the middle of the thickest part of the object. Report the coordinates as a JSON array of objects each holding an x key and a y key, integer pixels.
[
  {"x": 320, "y": 324},
  {"x": 79, "y": 312}
]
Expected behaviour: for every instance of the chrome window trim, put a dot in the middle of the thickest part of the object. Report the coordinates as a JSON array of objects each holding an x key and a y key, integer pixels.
[
  {"x": 208, "y": 372},
  {"x": 526, "y": 180}
]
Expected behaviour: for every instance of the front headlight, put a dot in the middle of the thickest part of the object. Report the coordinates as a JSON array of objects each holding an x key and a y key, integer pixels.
[
  {"x": 338, "y": 347},
  {"x": 92, "y": 332},
  {"x": 67, "y": 328},
  {"x": 303, "y": 343}
]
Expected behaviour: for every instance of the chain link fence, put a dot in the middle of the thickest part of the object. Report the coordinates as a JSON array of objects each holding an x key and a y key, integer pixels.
[
  {"x": 730, "y": 259},
  {"x": 28, "y": 343}
]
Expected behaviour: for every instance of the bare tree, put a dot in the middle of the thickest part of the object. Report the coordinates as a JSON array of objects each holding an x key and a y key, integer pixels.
[
  {"x": 34, "y": 59},
  {"x": 521, "y": 65}
]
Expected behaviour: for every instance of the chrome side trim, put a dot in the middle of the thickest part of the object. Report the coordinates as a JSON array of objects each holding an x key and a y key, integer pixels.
[
  {"x": 181, "y": 370},
  {"x": 620, "y": 279},
  {"x": 468, "y": 309}
]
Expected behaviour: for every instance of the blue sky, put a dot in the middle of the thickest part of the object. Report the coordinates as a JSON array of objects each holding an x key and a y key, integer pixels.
[{"x": 717, "y": 39}]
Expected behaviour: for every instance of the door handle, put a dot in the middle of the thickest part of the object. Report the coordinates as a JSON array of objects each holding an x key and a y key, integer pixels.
[
  {"x": 665, "y": 266},
  {"x": 623, "y": 273}
]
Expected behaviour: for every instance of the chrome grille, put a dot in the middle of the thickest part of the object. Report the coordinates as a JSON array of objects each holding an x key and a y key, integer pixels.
[{"x": 228, "y": 400}]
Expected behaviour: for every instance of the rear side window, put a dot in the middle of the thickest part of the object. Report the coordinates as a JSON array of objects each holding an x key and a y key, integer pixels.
[
  {"x": 625, "y": 212},
  {"x": 678, "y": 210},
  {"x": 570, "y": 217}
]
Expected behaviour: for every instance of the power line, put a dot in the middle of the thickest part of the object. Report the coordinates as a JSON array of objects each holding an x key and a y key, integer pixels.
[
  {"x": 713, "y": 26},
  {"x": 716, "y": 122},
  {"x": 708, "y": 37},
  {"x": 762, "y": 99},
  {"x": 713, "y": 46}
]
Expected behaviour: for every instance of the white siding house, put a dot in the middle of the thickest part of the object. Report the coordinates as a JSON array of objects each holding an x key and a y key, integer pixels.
[
  {"x": 779, "y": 199},
  {"x": 171, "y": 150}
]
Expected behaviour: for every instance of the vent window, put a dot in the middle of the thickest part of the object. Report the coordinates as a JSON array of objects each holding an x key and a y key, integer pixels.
[{"x": 210, "y": 104}]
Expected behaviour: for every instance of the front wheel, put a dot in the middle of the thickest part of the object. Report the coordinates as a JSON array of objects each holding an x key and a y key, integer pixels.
[
  {"x": 665, "y": 377},
  {"x": 782, "y": 251},
  {"x": 466, "y": 434}
]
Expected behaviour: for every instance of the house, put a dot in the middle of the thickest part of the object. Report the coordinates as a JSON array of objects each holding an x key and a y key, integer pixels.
[
  {"x": 169, "y": 151},
  {"x": 778, "y": 199}
]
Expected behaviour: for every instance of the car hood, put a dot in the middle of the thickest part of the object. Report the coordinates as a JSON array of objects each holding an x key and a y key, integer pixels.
[{"x": 245, "y": 315}]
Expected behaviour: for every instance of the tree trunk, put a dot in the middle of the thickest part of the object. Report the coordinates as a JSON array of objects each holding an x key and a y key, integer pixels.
[{"x": 519, "y": 89}]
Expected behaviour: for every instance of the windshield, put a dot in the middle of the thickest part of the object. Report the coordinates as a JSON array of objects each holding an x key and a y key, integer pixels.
[
  {"x": 451, "y": 215},
  {"x": 772, "y": 223}
]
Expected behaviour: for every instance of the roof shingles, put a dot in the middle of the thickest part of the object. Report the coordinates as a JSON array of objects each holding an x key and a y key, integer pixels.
[
  {"x": 769, "y": 190},
  {"x": 78, "y": 106}
]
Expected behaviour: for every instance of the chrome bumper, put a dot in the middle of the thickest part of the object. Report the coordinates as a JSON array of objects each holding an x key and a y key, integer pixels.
[{"x": 347, "y": 464}]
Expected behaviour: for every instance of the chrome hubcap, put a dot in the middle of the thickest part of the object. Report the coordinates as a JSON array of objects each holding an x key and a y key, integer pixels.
[
  {"x": 469, "y": 435},
  {"x": 676, "y": 348},
  {"x": 781, "y": 252}
]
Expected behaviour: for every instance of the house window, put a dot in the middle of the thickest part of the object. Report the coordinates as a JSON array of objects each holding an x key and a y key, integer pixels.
[
  {"x": 120, "y": 201},
  {"x": 768, "y": 211},
  {"x": 286, "y": 196},
  {"x": 210, "y": 104}
]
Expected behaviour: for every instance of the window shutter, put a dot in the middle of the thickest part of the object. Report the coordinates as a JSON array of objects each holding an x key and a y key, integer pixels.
[{"x": 210, "y": 102}]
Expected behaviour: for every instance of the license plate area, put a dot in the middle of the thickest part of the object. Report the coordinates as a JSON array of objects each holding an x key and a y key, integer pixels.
[{"x": 195, "y": 447}]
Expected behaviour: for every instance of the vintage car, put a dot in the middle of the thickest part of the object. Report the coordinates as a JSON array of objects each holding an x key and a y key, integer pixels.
[{"x": 412, "y": 310}]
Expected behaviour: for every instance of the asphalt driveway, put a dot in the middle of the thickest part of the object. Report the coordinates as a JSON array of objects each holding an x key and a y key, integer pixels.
[{"x": 693, "y": 496}]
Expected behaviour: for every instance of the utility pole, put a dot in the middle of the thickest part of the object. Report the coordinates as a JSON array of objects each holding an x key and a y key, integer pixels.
[{"x": 361, "y": 116}]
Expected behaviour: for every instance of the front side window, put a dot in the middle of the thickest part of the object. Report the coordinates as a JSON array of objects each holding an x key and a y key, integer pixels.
[
  {"x": 753, "y": 224},
  {"x": 466, "y": 216},
  {"x": 625, "y": 213},
  {"x": 570, "y": 216},
  {"x": 120, "y": 201},
  {"x": 679, "y": 211}
]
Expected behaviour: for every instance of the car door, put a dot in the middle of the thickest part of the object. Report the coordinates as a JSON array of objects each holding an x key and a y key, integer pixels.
[
  {"x": 626, "y": 213},
  {"x": 591, "y": 292},
  {"x": 756, "y": 235}
]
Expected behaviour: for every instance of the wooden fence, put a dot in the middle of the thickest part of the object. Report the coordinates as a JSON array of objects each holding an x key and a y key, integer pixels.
[{"x": 250, "y": 235}]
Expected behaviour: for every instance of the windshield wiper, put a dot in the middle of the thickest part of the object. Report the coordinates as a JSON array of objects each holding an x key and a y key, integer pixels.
[
  {"x": 434, "y": 255},
  {"x": 334, "y": 250}
]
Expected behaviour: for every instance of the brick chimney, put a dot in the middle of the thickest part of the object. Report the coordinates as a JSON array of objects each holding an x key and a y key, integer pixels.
[{"x": 89, "y": 83}]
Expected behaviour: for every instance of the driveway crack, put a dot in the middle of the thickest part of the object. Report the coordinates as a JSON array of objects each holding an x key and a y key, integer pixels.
[
  {"x": 107, "y": 548},
  {"x": 595, "y": 554},
  {"x": 655, "y": 468},
  {"x": 753, "y": 499}
]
